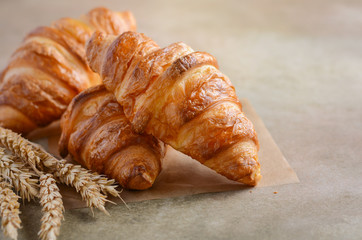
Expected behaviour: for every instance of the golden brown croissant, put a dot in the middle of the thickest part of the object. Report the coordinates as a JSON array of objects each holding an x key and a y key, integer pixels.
[
  {"x": 179, "y": 96},
  {"x": 97, "y": 134},
  {"x": 49, "y": 69}
]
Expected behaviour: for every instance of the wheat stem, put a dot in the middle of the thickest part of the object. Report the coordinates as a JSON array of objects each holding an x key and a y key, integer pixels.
[
  {"x": 51, "y": 201},
  {"x": 18, "y": 175},
  {"x": 80, "y": 179},
  {"x": 21, "y": 148},
  {"x": 89, "y": 185},
  {"x": 106, "y": 185},
  {"x": 9, "y": 210}
]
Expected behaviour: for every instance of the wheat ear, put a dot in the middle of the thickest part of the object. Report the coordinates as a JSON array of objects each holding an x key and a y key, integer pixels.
[
  {"x": 86, "y": 183},
  {"x": 69, "y": 172},
  {"x": 77, "y": 177},
  {"x": 81, "y": 180},
  {"x": 51, "y": 201},
  {"x": 18, "y": 175},
  {"x": 20, "y": 147},
  {"x": 9, "y": 210}
]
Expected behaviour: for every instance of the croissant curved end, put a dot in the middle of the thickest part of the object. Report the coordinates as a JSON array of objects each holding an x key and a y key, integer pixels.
[
  {"x": 140, "y": 180},
  {"x": 96, "y": 48},
  {"x": 253, "y": 178},
  {"x": 15, "y": 120},
  {"x": 130, "y": 19}
]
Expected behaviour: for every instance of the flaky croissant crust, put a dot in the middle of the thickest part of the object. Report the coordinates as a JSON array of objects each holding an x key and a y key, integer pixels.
[
  {"x": 179, "y": 96},
  {"x": 49, "y": 69},
  {"x": 97, "y": 134}
]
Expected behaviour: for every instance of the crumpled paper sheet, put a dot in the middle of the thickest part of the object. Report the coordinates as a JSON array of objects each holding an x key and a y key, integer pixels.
[{"x": 182, "y": 175}]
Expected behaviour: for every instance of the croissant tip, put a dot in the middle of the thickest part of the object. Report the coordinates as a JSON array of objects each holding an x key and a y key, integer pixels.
[
  {"x": 96, "y": 36},
  {"x": 253, "y": 178},
  {"x": 140, "y": 180},
  {"x": 147, "y": 178}
]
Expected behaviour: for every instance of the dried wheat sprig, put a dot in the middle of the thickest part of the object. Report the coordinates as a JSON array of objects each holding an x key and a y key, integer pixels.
[
  {"x": 20, "y": 147},
  {"x": 74, "y": 175},
  {"x": 36, "y": 156},
  {"x": 18, "y": 175},
  {"x": 51, "y": 201},
  {"x": 107, "y": 186},
  {"x": 9, "y": 210},
  {"x": 79, "y": 178}
]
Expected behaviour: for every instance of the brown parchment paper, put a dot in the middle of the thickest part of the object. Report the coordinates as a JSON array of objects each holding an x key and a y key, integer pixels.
[{"x": 182, "y": 175}]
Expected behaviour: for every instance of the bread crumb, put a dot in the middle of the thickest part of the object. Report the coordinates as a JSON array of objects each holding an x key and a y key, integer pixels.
[
  {"x": 275, "y": 192},
  {"x": 250, "y": 191}
]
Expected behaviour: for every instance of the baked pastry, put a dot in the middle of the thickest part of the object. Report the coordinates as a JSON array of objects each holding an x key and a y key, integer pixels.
[
  {"x": 97, "y": 134},
  {"x": 49, "y": 69},
  {"x": 179, "y": 96}
]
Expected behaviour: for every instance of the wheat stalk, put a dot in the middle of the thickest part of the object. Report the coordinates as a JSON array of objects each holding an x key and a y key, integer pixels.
[
  {"x": 81, "y": 180},
  {"x": 108, "y": 186},
  {"x": 20, "y": 147},
  {"x": 18, "y": 175},
  {"x": 9, "y": 210},
  {"x": 89, "y": 185},
  {"x": 69, "y": 172},
  {"x": 53, "y": 208}
]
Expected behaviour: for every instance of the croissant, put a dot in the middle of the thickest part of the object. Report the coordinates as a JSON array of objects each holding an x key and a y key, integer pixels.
[
  {"x": 97, "y": 134},
  {"x": 49, "y": 69},
  {"x": 179, "y": 96}
]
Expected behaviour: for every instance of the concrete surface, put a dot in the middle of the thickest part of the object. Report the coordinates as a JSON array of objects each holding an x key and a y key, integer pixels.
[{"x": 299, "y": 63}]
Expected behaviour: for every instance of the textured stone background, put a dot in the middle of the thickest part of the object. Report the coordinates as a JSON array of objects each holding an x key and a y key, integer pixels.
[{"x": 299, "y": 63}]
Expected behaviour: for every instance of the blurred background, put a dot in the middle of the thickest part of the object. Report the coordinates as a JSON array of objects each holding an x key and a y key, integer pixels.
[
  {"x": 292, "y": 47},
  {"x": 300, "y": 65}
]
